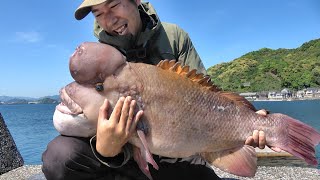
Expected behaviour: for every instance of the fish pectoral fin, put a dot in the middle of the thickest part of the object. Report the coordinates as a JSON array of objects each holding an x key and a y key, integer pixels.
[
  {"x": 145, "y": 150},
  {"x": 143, "y": 156},
  {"x": 142, "y": 163},
  {"x": 239, "y": 161}
]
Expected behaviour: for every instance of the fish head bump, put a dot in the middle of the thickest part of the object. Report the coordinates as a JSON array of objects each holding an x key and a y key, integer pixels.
[{"x": 92, "y": 62}]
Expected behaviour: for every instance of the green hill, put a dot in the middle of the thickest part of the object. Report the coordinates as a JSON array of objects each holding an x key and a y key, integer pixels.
[{"x": 268, "y": 69}]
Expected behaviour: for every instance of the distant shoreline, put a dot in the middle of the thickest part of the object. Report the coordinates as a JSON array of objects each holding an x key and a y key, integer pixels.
[
  {"x": 27, "y": 103},
  {"x": 279, "y": 100}
]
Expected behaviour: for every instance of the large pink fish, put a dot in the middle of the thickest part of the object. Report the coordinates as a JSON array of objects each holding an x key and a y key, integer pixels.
[{"x": 184, "y": 114}]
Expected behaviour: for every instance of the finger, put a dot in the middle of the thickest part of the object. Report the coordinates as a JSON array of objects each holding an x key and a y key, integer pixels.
[
  {"x": 136, "y": 120},
  {"x": 255, "y": 136},
  {"x": 125, "y": 112},
  {"x": 249, "y": 141},
  {"x": 103, "y": 115},
  {"x": 130, "y": 117},
  {"x": 262, "y": 140},
  {"x": 115, "y": 115},
  {"x": 262, "y": 112}
]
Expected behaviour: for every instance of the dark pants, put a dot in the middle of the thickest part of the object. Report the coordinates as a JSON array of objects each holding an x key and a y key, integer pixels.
[{"x": 71, "y": 158}]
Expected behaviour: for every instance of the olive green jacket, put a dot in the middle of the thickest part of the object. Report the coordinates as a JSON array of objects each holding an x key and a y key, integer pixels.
[{"x": 158, "y": 41}]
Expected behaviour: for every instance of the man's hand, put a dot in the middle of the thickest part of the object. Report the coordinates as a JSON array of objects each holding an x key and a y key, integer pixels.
[
  {"x": 258, "y": 138},
  {"x": 114, "y": 132}
]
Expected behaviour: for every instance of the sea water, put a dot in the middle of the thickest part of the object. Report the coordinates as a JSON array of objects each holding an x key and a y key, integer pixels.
[{"x": 31, "y": 127}]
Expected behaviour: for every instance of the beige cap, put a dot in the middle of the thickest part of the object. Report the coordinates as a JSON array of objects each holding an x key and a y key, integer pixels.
[{"x": 84, "y": 9}]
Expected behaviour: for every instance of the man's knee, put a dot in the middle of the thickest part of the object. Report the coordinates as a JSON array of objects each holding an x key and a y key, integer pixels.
[{"x": 61, "y": 152}]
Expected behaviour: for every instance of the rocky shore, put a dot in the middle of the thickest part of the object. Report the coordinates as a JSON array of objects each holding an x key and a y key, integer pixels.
[
  {"x": 26, "y": 172},
  {"x": 33, "y": 172}
]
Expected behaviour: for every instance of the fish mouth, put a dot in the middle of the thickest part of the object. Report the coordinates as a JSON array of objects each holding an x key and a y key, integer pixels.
[{"x": 67, "y": 105}]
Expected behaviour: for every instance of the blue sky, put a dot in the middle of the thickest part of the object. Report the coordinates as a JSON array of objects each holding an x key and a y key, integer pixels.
[{"x": 38, "y": 37}]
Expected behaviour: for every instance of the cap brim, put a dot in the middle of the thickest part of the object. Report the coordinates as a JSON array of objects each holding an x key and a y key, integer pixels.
[
  {"x": 81, "y": 13},
  {"x": 84, "y": 9}
]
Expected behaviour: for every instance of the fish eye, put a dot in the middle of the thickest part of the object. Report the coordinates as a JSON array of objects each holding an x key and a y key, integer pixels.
[{"x": 99, "y": 87}]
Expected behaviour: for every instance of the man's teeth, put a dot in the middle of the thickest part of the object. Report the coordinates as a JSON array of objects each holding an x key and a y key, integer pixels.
[{"x": 121, "y": 30}]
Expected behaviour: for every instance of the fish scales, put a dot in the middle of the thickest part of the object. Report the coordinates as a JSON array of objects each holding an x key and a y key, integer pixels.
[{"x": 181, "y": 104}]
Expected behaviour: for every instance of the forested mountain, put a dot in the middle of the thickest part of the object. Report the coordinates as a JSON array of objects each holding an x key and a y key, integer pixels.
[{"x": 268, "y": 69}]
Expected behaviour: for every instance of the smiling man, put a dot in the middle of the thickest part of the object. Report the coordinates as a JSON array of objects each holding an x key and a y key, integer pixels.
[
  {"x": 136, "y": 31},
  {"x": 118, "y": 17}
]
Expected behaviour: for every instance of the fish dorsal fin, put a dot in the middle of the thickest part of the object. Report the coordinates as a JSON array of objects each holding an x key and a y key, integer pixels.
[
  {"x": 203, "y": 80},
  {"x": 176, "y": 67}
]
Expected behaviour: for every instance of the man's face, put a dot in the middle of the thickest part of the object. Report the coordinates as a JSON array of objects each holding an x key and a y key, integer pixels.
[{"x": 118, "y": 17}]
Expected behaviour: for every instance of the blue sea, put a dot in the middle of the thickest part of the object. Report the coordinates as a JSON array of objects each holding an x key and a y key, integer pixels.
[{"x": 32, "y": 128}]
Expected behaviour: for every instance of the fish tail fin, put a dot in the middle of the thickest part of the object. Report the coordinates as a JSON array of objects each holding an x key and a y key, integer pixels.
[
  {"x": 241, "y": 161},
  {"x": 300, "y": 139}
]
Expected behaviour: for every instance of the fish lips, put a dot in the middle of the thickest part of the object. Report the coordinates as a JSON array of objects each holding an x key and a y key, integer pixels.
[
  {"x": 67, "y": 105},
  {"x": 73, "y": 125},
  {"x": 69, "y": 119}
]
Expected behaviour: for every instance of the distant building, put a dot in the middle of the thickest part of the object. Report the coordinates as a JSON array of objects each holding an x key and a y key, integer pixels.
[
  {"x": 317, "y": 94},
  {"x": 249, "y": 95},
  {"x": 246, "y": 84},
  {"x": 263, "y": 95},
  {"x": 275, "y": 95},
  {"x": 300, "y": 94},
  {"x": 311, "y": 92},
  {"x": 286, "y": 93}
]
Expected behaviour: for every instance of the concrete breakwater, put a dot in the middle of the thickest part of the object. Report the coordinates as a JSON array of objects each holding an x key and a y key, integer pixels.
[{"x": 10, "y": 157}]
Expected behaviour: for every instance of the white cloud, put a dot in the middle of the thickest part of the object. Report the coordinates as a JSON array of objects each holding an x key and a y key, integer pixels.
[{"x": 28, "y": 37}]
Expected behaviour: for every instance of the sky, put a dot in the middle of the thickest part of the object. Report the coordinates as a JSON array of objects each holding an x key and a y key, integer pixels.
[{"x": 38, "y": 37}]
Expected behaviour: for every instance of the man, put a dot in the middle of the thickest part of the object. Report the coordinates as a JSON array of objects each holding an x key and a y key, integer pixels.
[{"x": 134, "y": 29}]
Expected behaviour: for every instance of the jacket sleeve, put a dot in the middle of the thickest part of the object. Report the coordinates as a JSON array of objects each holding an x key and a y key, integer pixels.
[
  {"x": 113, "y": 162},
  {"x": 187, "y": 53}
]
